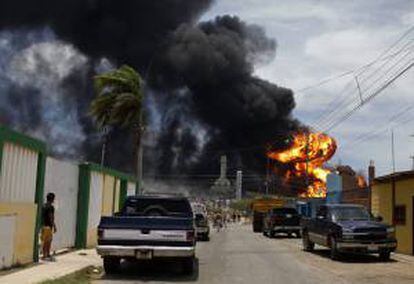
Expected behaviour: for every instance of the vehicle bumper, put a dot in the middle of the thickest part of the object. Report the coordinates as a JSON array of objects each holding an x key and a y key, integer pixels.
[
  {"x": 286, "y": 228},
  {"x": 156, "y": 251},
  {"x": 202, "y": 230},
  {"x": 367, "y": 247}
]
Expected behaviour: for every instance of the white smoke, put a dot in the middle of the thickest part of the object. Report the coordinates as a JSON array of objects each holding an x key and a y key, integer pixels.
[{"x": 36, "y": 63}]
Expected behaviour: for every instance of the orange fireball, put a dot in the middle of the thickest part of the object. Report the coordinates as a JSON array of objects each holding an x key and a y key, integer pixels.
[{"x": 307, "y": 154}]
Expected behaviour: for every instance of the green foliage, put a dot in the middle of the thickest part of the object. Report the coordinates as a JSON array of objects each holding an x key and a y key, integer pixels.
[{"x": 119, "y": 98}]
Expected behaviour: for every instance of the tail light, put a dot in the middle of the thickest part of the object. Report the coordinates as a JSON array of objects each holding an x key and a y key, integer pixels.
[
  {"x": 190, "y": 236},
  {"x": 101, "y": 233}
]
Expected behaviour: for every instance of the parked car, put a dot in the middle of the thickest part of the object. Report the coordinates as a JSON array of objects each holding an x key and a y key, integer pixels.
[
  {"x": 348, "y": 228},
  {"x": 202, "y": 227},
  {"x": 282, "y": 220},
  {"x": 148, "y": 227}
]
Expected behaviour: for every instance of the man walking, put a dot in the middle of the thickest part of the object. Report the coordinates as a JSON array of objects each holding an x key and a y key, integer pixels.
[{"x": 48, "y": 225}]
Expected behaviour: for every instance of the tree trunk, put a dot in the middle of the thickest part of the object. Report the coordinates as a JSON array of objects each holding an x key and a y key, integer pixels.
[{"x": 138, "y": 156}]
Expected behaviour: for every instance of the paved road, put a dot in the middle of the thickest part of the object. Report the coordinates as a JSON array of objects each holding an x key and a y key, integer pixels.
[{"x": 237, "y": 255}]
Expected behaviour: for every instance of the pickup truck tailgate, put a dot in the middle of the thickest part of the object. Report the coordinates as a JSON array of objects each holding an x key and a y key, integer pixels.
[
  {"x": 143, "y": 230},
  {"x": 143, "y": 235}
]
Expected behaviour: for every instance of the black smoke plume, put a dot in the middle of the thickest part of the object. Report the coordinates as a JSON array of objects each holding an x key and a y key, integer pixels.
[
  {"x": 215, "y": 62},
  {"x": 207, "y": 100}
]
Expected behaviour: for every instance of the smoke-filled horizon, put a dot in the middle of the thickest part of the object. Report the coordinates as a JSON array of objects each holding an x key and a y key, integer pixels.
[{"x": 202, "y": 97}]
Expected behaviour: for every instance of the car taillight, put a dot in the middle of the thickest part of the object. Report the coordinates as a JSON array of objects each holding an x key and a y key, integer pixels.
[
  {"x": 190, "y": 236},
  {"x": 101, "y": 233}
]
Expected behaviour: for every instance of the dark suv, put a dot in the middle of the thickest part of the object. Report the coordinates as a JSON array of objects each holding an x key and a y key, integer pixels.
[
  {"x": 348, "y": 228},
  {"x": 282, "y": 220}
]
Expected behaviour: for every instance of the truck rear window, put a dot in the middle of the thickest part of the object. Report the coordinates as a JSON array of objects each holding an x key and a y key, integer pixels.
[
  {"x": 157, "y": 207},
  {"x": 284, "y": 211}
]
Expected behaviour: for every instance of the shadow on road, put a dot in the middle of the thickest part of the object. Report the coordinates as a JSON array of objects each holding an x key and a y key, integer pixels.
[
  {"x": 352, "y": 257},
  {"x": 157, "y": 270}
]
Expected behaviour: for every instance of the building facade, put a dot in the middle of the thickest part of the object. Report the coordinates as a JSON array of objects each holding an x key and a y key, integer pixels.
[{"x": 392, "y": 198}]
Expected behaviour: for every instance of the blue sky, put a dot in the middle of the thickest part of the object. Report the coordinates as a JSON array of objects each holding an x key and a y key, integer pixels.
[{"x": 321, "y": 39}]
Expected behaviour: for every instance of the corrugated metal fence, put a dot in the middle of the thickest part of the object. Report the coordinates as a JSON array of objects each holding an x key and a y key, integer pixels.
[{"x": 83, "y": 192}]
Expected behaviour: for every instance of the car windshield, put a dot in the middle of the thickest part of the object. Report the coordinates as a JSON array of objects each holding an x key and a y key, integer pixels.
[
  {"x": 158, "y": 207},
  {"x": 349, "y": 214}
]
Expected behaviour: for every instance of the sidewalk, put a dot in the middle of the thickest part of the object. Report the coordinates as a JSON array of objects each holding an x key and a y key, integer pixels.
[{"x": 65, "y": 264}]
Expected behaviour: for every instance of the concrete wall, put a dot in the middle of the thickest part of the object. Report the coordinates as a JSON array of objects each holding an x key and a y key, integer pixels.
[
  {"x": 404, "y": 193},
  {"x": 24, "y": 229},
  {"x": 17, "y": 197},
  {"x": 108, "y": 195},
  {"x": 131, "y": 188},
  {"x": 7, "y": 236},
  {"x": 381, "y": 203}
]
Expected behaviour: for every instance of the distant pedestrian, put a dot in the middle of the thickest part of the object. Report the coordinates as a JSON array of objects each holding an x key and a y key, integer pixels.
[{"x": 48, "y": 225}]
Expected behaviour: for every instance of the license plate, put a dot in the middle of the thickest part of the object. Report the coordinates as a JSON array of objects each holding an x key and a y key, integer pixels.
[
  {"x": 143, "y": 254},
  {"x": 372, "y": 247}
]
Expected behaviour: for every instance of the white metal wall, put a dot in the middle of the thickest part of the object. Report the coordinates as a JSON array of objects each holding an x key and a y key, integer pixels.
[
  {"x": 117, "y": 193},
  {"x": 18, "y": 174},
  {"x": 7, "y": 230},
  {"x": 62, "y": 178},
  {"x": 131, "y": 188},
  {"x": 95, "y": 199}
]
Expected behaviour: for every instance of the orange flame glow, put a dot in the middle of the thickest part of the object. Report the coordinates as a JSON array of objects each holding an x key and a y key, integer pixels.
[
  {"x": 361, "y": 181},
  {"x": 307, "y": 154}
]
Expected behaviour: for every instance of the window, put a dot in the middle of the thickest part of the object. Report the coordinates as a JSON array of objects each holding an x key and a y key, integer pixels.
[
  {"x": 322, "y": 212},
  {"x": 399, "y": 215}
]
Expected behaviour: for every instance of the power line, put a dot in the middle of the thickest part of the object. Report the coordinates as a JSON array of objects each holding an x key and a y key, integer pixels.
[
  {"x": 346, "y": 101},
  {"x": 376, "y": 93},
  {"x": 359, "y": 69},
  {"x": 331, "y": 119},
  {"x": 349, "y": 100}
]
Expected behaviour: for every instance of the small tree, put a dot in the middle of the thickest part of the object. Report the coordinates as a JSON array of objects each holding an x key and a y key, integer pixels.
[{"x": 118, "y": 102}]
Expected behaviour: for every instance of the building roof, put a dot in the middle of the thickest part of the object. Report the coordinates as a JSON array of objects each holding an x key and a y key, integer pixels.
[{"x": 395, "y": 176}]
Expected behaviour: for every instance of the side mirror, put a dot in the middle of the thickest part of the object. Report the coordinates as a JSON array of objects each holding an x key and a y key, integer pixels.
[{"x": 379, "y": 219}]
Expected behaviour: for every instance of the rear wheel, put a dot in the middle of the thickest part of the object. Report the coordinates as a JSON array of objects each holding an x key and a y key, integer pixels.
[
  {"x": 188, "y": 265},
  {"x": 385, "y": 255},
  {"x": 111, "y": 264},
  {"x": 334, "y": 250},
  {"x": 298, "y": 235},
  {"x": 308, "y": 245}
]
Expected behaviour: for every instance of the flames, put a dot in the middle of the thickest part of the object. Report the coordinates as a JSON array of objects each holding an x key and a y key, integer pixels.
[
  {"x": 361, "y": 181},
  {"x": 306, "y": 155}
]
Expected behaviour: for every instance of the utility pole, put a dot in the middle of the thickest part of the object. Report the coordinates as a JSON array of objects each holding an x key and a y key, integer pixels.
[
  {"x": 239, "y": 189},
  {"x": 359, "y": 90},
  {"x": 105, "y": 141},
  {"x": 412, "y": 158},
  {"x": 392, "y": 150},
  {"x": 267, "y": 175}
]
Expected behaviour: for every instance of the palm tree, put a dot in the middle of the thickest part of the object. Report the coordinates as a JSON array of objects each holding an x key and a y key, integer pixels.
[{"x": 119, "y": 103}]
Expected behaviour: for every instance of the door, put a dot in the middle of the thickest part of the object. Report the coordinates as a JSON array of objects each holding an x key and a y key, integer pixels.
[
  {"x": 318, "y": 232},
  {"x": 412, "y": 225}
]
